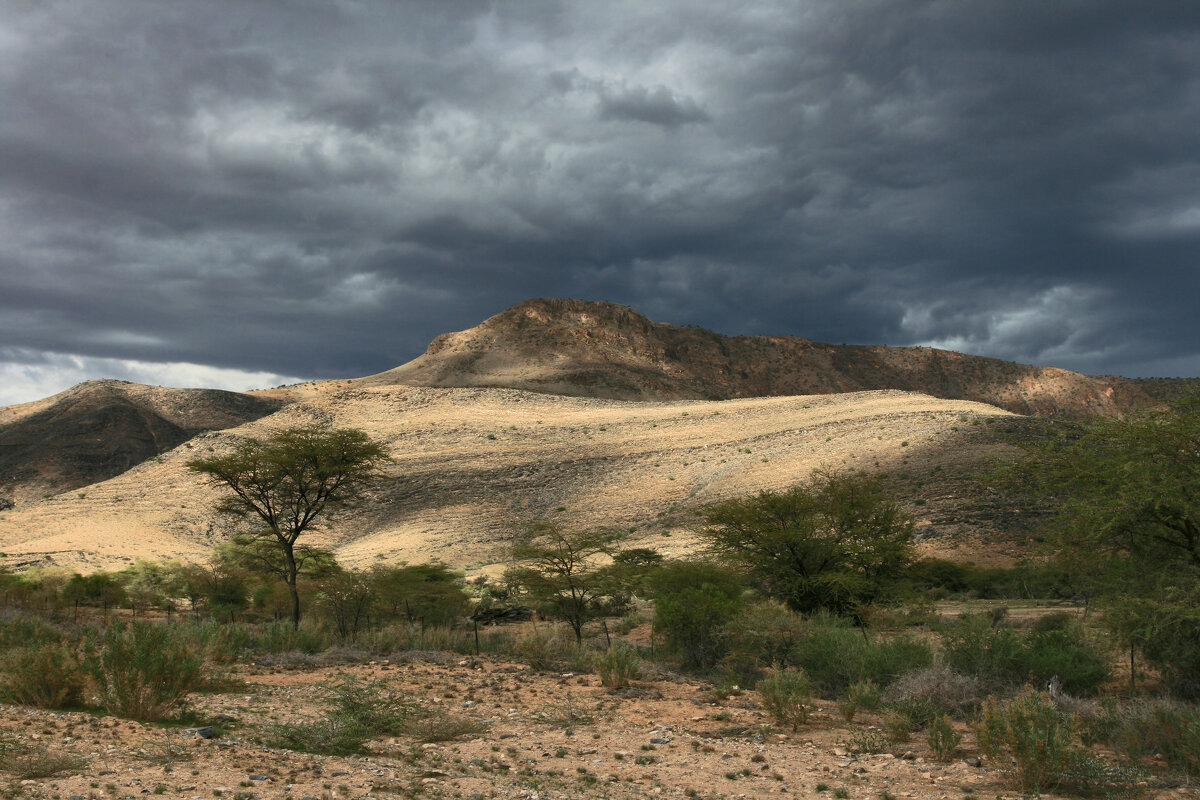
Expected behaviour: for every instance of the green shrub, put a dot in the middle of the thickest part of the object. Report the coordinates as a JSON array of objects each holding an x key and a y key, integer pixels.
[
  {"x": 786, "y": 696},
  {"x": 761, "y": 635},
  {"x": 1001, "y": 656},
  {"x": 835, "y": 654},
  {"x": 142, "y": 670},
  {"x": 1068, "y": 655},
  {"x": 46, "y": 675},
  {"x": 692, "y": 603},
  {"x": 1030, "y": 730},
  {"x": 942, "y": 738},
  {"x": 25, "y": 631},
  {"x": 617, "y": 666}
]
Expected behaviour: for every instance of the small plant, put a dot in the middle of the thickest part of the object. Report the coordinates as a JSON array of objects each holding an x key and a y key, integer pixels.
[
  {"x": 1030, "y": 730},
  {"x": 357, "y": 712},
  {"x": 840, "y": 793},
  {"x": 617, "y": 666},
  {"x": 868, "y": 741},
  {"x": 143, "y": 670},
  {"x": 786, "y": 696},
  {"x": 860, "y": 694},
  {"x": 567, "y": 714},
  {"x": 942, "y": 738},
  {"x": 438, "y": 727},
  {"x": 31, "y": 762}
]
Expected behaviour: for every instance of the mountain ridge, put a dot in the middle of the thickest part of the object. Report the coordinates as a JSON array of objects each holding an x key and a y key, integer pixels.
[{"x": 586, "y": 348}]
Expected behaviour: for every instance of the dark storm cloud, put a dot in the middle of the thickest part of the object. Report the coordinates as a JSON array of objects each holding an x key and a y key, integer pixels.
[{"x": 317, "y": 189}]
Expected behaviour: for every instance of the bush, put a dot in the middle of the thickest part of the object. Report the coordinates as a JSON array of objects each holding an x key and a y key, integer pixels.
[
  {"x": 542, "y": 648},
  {"x": 786, "y": 696},
  {"x": 1001, "y": 656},
  {"x": 142, "y": 670},
  {"x": 939, "y": 686},
  {"x": 692, "y": 603},
  {"x": 835, "y": 655},
  {"x": 45, "y": 675},
  {"x": 217, "y": 642},
  {"x": 1031, "y": 731},
  {"x": 1154, "y": 727},
  {"x": 437, "y": 726},
  {"x": 761, "y": 635},
  {"x": 25, "y": 631},
  {"x": 617, "y": 666}
]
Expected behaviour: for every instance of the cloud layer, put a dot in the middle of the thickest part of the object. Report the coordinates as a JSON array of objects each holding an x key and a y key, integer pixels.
[{"x": 317, "y": 189}]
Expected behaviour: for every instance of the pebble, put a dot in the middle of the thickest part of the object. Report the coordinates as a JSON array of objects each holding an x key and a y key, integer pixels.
[{"x": 660, "y": 740}]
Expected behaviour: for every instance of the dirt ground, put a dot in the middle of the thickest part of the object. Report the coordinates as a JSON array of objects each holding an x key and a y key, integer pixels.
[{"x": 548, "y": 736}]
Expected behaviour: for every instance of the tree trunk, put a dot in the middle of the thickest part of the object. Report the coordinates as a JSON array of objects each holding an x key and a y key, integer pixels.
[{"x": 292, "y": 573}]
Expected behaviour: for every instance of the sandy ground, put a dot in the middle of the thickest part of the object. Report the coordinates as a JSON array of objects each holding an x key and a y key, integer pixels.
[
  {"x": 471, "y": 465},
  {"x": 667, "y": 737}
]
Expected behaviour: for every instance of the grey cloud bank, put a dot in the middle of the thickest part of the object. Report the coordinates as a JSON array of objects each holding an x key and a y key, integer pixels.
[{"x": 242, "y": 194}]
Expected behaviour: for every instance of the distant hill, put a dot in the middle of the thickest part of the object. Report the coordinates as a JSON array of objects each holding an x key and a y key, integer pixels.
[
  {"x": 593, "y": 349},
  {"x": 99, "y": 429}
]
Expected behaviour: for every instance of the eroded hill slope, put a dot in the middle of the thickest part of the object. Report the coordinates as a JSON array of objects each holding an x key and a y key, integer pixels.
[{"x": 472, "y": 464}]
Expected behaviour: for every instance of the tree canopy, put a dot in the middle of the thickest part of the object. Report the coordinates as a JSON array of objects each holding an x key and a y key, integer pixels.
[
  {"x": 835, "y": 543},
  {"x": 561, "y": 572},
  {"x": 1125, "y": 500},
  {"x": 282, "y": 483}
]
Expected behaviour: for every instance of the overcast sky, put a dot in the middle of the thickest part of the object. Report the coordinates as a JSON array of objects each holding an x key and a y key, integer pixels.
[{"x": 244, "y": 194}]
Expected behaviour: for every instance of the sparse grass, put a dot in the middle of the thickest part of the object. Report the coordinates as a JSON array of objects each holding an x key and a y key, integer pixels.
[{"x": 617, "y": 666}]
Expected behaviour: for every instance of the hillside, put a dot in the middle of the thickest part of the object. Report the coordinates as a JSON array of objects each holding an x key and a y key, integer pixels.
[
  {"x": 99, "y": 429},
  {"x": 471, "y": 464},
  {"x": 591, "y": 349}
]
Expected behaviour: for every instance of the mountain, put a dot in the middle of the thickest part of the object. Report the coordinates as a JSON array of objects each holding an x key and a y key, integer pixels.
[
  {"x": 592, "y": 349},
  {"x": 99, "y": 429}
]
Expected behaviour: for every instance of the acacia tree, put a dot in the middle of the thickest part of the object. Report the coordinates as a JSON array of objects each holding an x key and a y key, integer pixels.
[
  {"x": 285, "y": 481},
  {"x": 559, "y": 570},
  {"x": 1124, "y": 495},
  {"x": 834, "y": 544}
]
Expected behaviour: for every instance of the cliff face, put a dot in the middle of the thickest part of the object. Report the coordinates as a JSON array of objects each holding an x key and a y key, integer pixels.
[
  {"x": 592, "y": 349},
  {"x": 99, "y": 429}
]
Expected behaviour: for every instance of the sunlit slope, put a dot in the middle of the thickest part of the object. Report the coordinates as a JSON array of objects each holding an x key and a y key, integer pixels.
[{"x": 472, "y": 464}]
